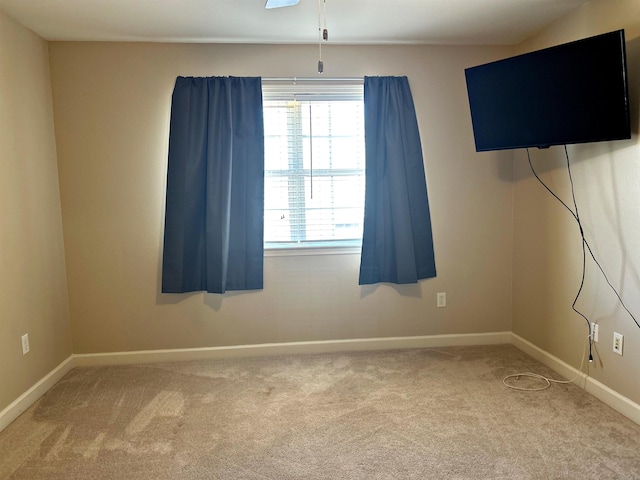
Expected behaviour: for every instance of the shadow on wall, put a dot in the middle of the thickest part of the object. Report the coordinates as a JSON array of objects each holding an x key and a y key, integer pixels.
[
  {"x": 211, "y": 300},
  {"x": 412, "y": 290},
  {"x": 633, "y": 80}
]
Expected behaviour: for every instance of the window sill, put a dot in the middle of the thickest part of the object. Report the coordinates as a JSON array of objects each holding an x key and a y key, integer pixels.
[{"x": 305, "y": 251}]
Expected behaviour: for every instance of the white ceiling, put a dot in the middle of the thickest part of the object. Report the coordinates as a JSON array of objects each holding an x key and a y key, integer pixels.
[{"x": 247, "y": 21}]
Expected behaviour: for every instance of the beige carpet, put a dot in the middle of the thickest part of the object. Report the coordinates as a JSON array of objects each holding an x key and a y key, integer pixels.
[{"x": 414, "y": 414}]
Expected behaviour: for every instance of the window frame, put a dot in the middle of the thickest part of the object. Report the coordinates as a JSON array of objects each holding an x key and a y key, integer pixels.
[{"x": 315, "y": 90}]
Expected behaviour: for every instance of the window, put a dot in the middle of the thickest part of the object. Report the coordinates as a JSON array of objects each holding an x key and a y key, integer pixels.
[{"x": 314, "y": 165}]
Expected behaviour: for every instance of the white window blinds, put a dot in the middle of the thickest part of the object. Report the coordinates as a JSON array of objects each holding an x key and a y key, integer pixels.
[{"x": 314, "y": 164}]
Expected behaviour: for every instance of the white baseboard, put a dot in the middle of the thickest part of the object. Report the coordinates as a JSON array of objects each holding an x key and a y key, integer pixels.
[
  {"x": 618, "y": 402},
  {"x": 28, "y": 398},
  {"x": 269, "y": 349},
  {"x": 559, "y": 366}
]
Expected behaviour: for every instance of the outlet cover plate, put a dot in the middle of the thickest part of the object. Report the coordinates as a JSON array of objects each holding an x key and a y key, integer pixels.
[
  {"x": 617, "y": 343},
  {"x": 25, "y": 344}
]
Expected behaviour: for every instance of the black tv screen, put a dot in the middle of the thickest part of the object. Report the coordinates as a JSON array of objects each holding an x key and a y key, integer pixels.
[{"x": 571, "y": 93}]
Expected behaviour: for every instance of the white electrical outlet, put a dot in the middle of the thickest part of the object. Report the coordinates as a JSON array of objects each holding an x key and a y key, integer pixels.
[
  {"x": 441, "y": 300},
  {"x": 594, "y": 332},
  {"x": 617, "y": 343},
  {"x": 25, "y": 344}
]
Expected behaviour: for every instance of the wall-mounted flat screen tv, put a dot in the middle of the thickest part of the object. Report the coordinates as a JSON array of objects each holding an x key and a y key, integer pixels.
[{"x": 571, "y": 93}]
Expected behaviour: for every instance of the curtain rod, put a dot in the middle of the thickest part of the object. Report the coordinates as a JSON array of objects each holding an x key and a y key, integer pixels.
[{"x": 313, "y": 79}]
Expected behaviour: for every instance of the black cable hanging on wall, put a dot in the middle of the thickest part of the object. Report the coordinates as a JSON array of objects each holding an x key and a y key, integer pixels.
[{"x": 585, "y": 247}]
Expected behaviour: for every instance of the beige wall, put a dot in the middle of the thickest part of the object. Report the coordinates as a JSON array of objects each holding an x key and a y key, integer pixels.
[
  {"x": 33, "y": 289},
  {"x": 111, "y": 104},
  {"x": 547, "y": 253}
]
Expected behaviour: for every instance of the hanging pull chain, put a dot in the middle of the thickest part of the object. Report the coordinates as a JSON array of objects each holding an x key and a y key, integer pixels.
[{"x": 323, "y": 33}]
